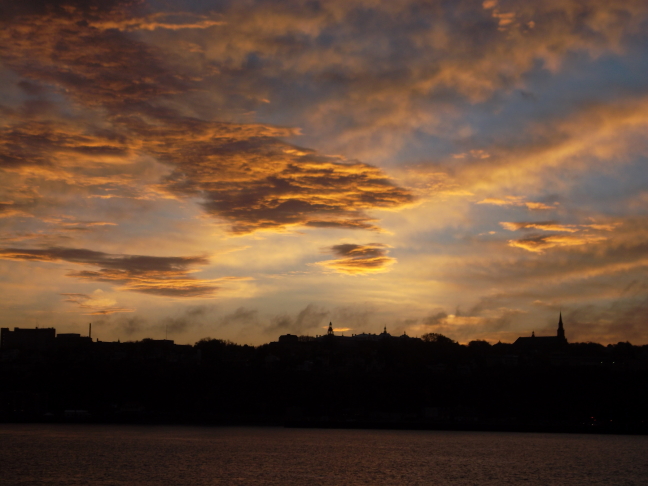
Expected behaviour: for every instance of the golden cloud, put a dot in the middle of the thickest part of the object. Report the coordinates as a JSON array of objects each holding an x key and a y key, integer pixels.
[
  {"x": 95, "y": 304},
  {"x": 155, "y": 21},
  {"x": 580, "y": 234},
  {"x": 555, "y": 226},
  {"x": 541, "y": 225},
  {"x": 517, "y": 201},
  {"x": 359, "y": 259},
  {"x": 538, "y": 244}
]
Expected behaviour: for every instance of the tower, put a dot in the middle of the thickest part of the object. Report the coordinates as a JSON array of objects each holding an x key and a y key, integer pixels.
[
  {"x": 330, "y": 329},
  {"x": 561, "y": 330}
]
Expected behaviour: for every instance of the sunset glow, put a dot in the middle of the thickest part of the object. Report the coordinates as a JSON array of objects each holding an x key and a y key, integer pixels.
[{"x": 246, "y": 169}]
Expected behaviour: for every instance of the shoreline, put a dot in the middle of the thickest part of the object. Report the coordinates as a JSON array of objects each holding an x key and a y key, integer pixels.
[{"x": 549, "y": 428}]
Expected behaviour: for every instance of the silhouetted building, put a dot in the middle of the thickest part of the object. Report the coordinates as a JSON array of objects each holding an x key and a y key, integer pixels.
[
  {"x": 330, "y": 336},
  {"x": 38, "y": 339},
  {"x": 288, "y": 339},
  {"x": 543, "y": 343},
  {"x": 71, "y": 340}
]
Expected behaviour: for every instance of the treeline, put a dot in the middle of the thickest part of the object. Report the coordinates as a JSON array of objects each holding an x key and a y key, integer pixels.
[{"x": 431, "y": 382}]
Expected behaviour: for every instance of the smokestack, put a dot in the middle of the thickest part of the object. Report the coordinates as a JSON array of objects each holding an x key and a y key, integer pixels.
[{"x": 90, "y": 331}]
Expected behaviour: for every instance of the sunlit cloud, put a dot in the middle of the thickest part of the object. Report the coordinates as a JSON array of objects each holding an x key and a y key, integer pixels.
[
  {"x": 538, "y": 244},
  {"x": 476, "y": 154},
  {"x": 95, "y": 304},
  {"x": 156, "y": 21},
  {"x": 517, "y": 201},
  {"x": 555, "y": 226},
  {"x": 541, "y": 225},
  {"x": 579, "y": 234},
  {"x": 260, "y": 183},
  {"x": 359, "y": 259},
  {"x": 492, "y": 325}
]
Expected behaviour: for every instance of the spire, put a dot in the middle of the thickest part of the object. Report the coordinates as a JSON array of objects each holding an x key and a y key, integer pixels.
[
  {"x": 561, "y": 330},
  {"x": 330, "y": 329}
]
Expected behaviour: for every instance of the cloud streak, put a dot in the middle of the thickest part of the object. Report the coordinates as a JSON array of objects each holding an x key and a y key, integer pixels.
[
  {"x": 162, "y": 276},
  {"x": 578, "y": 234},
  {"x": 517, "y": 201},
  {"x": 95, "y": 304},
  {"x": 357, "y": 259},
  {"x": 539, "y": 244}
]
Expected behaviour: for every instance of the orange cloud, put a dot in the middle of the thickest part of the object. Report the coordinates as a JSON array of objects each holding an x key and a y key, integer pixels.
[
  {"x": 541, "y": 225},
  {"x": 153, "y": 21},
  {"x": 580, "y": 234},
  {"x": 554, "y": 226},
  {"x": 243, "y": 173},
  {"x": 359, "y": 259},
  {"x": 517, "y": 201},
  {"x": 539, "y": 244},
  {"x": 95, "y": 304}
]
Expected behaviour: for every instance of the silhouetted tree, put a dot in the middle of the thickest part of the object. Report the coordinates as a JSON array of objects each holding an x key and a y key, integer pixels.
[
  {"x": 433, "y": 337},
  {"x": 480, "y": 346}
]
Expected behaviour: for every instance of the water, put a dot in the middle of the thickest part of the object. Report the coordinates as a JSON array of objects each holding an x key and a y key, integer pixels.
[{"x": 127, "y": 455}]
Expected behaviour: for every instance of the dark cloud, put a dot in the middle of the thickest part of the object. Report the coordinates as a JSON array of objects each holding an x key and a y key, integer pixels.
[
  {"x": 358, "y": 259},
  {"x": 349, "y": 224},
  {"x": 32, "y": 89},
  {"x": 240, "y": 317},
  {"x": 243, "y": 172},
  {"x": 166, "y": 276},
  {"x": 46, "y": 143},
  {"x": 70, "y": 45},
  {"x": 190, "y": 318},
  {"x": 131, "y": 325},
  {"x": 620, "y": 320},
  {"x": 360, "y": 318},
  {"x": 311, "y": 319},
  {"x": 435, "y": 319},
  {"x": 258, "y": 182},
  {"x": 384, "y": 70}
]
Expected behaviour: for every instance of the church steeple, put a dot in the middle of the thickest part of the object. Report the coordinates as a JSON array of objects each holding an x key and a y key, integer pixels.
[
  {"x": 330, "y": 329},
  {"x": 561, "y": 330}
]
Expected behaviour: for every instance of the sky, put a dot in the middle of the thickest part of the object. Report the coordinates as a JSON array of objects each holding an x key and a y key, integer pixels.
[{"x": 245, "y": 169}]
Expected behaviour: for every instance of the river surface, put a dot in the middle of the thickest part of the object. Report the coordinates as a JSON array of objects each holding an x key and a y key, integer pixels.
[{"x": 166, "y": 455}]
